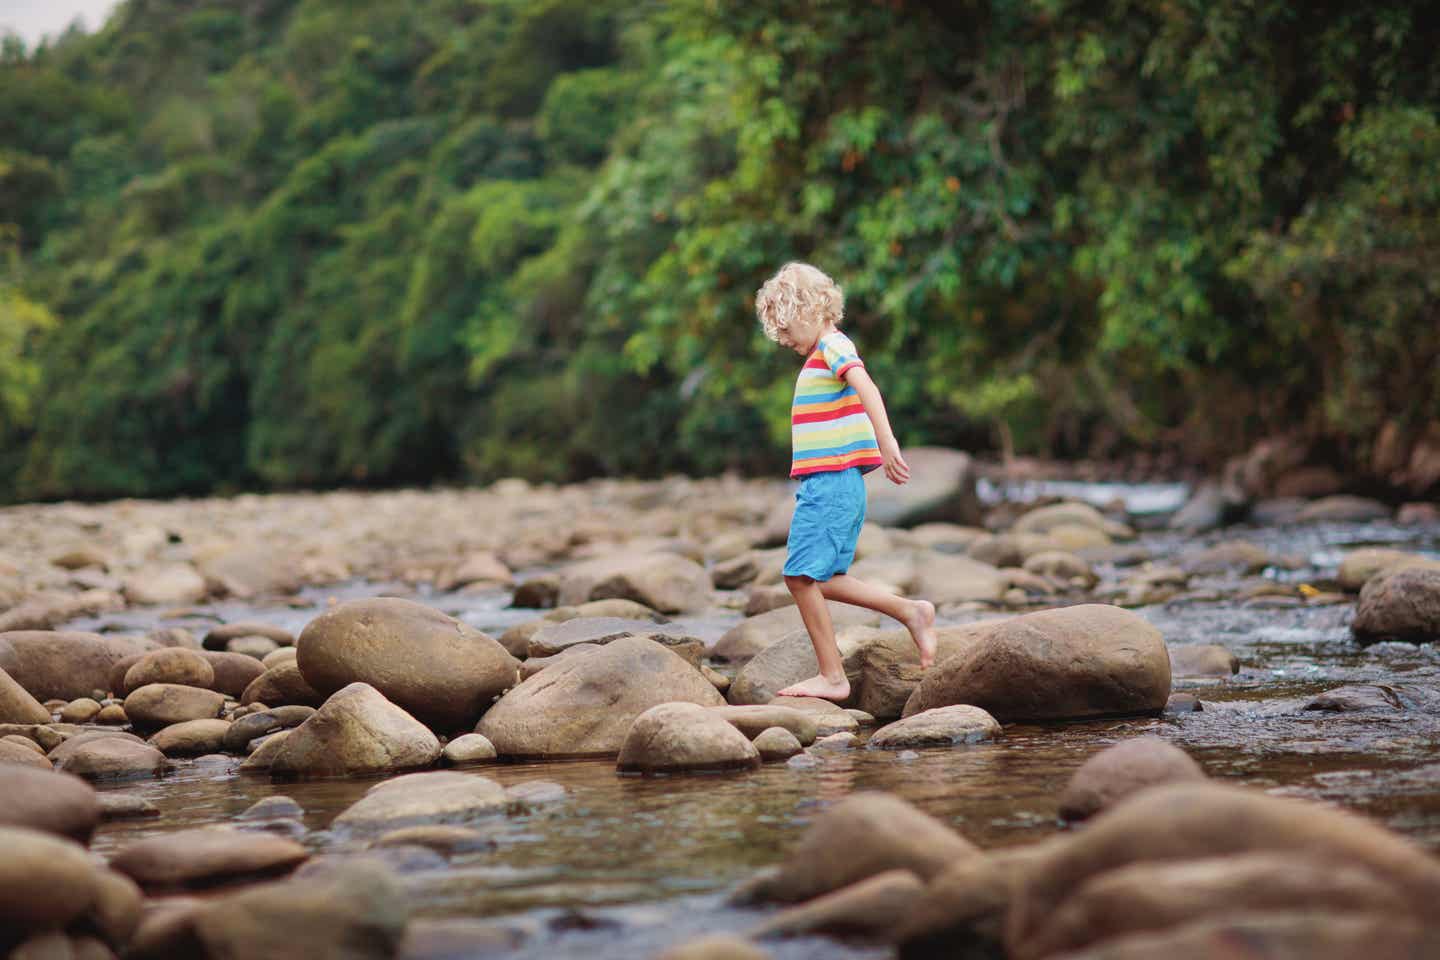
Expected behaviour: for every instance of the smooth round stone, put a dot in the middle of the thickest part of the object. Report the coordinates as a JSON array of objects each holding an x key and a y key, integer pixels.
[
  {"x": 40, "y": 799},
  {"x": 124, "y": 806},
  {"x": 357, "y": 731},
  {"x": 46, "y": 881},
  {"x": 777, "y": 743},
  {"x": 252, "y": 646},
  {"x": 534, "y": 793},
  {"x": 191, "y": 738},
  {"x": 14, "y": 753},
  {"x": 278, "y": 656},
  {"x": 753, "y": 719},
  {"x": 111, "y": 758},
  {"x": 204, "y": 856},
  {"x": 219, "y": 637},
  {"x": 836, "y": 743},
  {"x": 234, "y": 672},
  {"x": 283, "y": 683},
  {"x": 941, "y": 727},
  {"x": 684, "y": 736},
  {"x": 444, "y": 840},
  {"x": 17, "y": 705},
  {"x": 112, "y": 714},
  {"x": 425, "y": 798},
  {"x": 272, "y": 808},
  {"x": 159, "y": 705},
  {"x": 25, "y": 742},
  {"x": 1118, "y": 771},
  {"x": 467, "y": 749},
  {"x": 170, "y": 665}
]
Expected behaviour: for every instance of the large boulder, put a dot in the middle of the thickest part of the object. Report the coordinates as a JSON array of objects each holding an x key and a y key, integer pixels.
[
  {"x": 56, "y": 803},
  {"x": 941, "y": 489},
  {"x": 1402, "y": 603},
  {"x": 1091, "y": 660},
  {"x": 753, "y": 634},
  {"x": 662, "y": 581},
  {"x": 940, "y": 727},
  {"x": 63, "y": 665},
  {"x": 674, "y": 737},
  {"x": 1121, "y": 770},
  {"x": 792, "y": 659},
  {"x": 357, "y": 731},
  {"x": 440, "y": 670},
  {"x": 864, "y": 834},
  {"x": 205, "y": 856},
  {"x": 157, "y": 705},
  {"x": 584, "y": 706},
  {"x": 890, "y": 666},
  {"x": 16, "y": 704},
  {"x": 1200, "y": 820}
]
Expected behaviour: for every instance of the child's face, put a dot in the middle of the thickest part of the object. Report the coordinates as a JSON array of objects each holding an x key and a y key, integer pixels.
[{"x": 800, "y": 336}]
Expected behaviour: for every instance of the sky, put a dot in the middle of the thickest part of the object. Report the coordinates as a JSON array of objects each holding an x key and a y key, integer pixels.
[{"x": 33, "y": 19}]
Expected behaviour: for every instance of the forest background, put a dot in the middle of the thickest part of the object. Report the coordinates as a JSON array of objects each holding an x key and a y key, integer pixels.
[{"x": 281, "y": 243}]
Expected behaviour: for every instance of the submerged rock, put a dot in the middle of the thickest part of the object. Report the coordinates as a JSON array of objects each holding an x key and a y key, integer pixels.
[{"x": 940, "y": 727}]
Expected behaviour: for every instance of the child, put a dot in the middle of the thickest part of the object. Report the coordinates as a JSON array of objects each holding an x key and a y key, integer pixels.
[{"x": 838, "y": 431}]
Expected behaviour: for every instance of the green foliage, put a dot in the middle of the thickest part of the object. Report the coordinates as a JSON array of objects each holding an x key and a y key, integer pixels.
[{"x": 307, "y": 242}]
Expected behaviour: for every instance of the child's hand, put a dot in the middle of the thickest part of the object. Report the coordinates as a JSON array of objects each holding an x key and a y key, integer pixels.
[{"x": 895, "y": 466}]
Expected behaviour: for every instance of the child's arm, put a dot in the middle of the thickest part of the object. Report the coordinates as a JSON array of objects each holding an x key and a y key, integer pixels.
[{"x": 895, "y": 466}]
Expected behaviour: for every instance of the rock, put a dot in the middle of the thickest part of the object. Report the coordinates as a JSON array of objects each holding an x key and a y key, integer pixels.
[
  {"x": 941, "y": 489},
  {"x": 233, "y": 671},
  {"x": 219, "y": 637},
  {"x": 82, "y": 710},
  {"x": 1344, "y": 509},
  {"x": 792, "y": 659},
  {"x": 1202, "y": 820},
  {"x": 776, "y": 743},
  {"x": 540, "y": 592},
  {"x": 1357, "y": 698},
  {"x": 1400, "y": 604},
  {"x": 1300, "y": 934},
  {"x": 356, "y": 731},
  {"x": 1202, "y": 660},
  {"x": 1062, "y": 566},
  {"x": 861, "y": 836},
  {"x": 191, "y": 738},
  {"x": 357, "y": 912},
  {"x": 1358, "y": 566},
  {"x": 755, "y": 634},
  {"x": 17, "y": 705},
  {"x": 1070, "y": 513},
  {"x": 674, "y": 737},
  {"x": 948, "y": 578},
  {"x": 556, "y": 638},
  {"x": 442, "y": 671},
  {"x": 257, "y": 647},
  {"x": 753, "y": 719},
  {"x": 245, "y": 572},
  {"x": 717, "y": 679},
  {"x": 890, "y": 665},
  {"x": 535, "y": 793},
  {"x": 444, "y": 840},
  {"x": 940, "y": 727},
  {"x": 274, "y": 808},
  {"x": 763, "y": 599},
  {"x": 429, "y": 798},
  {"x": 1151, "y": 897},
  {"x": 39, "y": 799},
  {"x": 282, "y": 684},
  {"x": 205, "y": 856},
  {"x": 830, "y": 718},
  {"x": 51, "y": 664},
  {"x": 719, "y": 946},
  {"x": 467, "y": 749},
  {"x": 169, "y": 665},
  {"x": 109, "y": 758},
  {"x": 157, "y": 705},
  {"x": 533, "y": 665},
  {"x": 112, "y": 714},
  {"x": 1212, "y": 505},
  {"x": 118, "y": 906},
  {"x": 44, "y": 611},
  {"x": 1232, "y": 556},
  {"x": 870, "y": 909},
  {"x": 263, "y": 751},
  {"x": 252, "y": 726},
  {"x": 14, "y": 753},
  {"x": 278, "y": 656},
  {"x": 836, "y": 742},
  {"x": 1183, "y": 703},
  {"x": 1091, "y": 660},
  {"x": 584, "y": 706},
  {"x": 945, "y": 537},
  {"x": 1121, "y": 770},
  {"x": 1417, "y": 514},
  {"x": 662, "y": 581},
  {"x": 46, "y": 881},
  {"x": 167, "y": 585}
]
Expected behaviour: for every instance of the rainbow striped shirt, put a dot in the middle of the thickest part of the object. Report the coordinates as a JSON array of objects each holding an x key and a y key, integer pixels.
[{"x": 829, "y": 429}]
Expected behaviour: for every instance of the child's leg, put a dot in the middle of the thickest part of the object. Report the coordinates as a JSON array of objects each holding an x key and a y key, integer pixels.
[
  {"x": 831, "y": 683},
  {"x": 917, "y": 615}
]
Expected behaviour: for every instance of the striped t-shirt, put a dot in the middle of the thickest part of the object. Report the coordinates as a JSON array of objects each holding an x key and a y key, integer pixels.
[{"x": 829, "y": 429}]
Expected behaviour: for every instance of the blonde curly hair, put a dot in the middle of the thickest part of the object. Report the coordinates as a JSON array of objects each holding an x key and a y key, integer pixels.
[{"x": 798, "y": 292}]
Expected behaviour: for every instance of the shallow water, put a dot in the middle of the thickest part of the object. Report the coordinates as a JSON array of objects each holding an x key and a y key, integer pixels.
[{"x": 622, "y": 866}]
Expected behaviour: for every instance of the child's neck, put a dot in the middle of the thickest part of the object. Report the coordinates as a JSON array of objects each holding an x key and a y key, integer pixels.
[{"x": 823, "y": 332}]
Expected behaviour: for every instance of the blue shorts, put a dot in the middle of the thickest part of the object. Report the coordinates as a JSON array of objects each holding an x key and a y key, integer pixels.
[{"x": 829, "y": 512}]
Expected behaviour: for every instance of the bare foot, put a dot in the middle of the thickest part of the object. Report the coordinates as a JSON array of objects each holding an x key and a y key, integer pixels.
[
  {"x": 819, "y": 687},
  {"x": 921, "y": 624}
]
